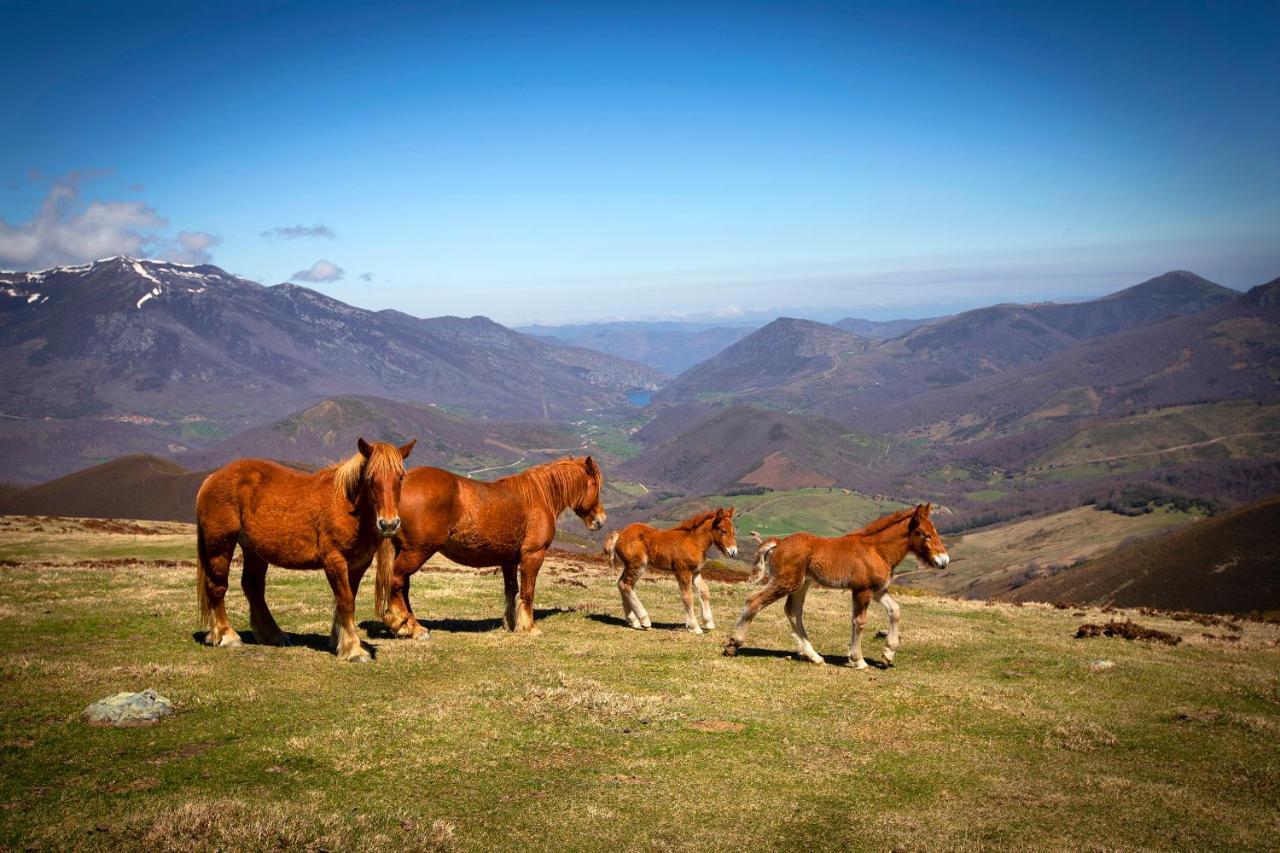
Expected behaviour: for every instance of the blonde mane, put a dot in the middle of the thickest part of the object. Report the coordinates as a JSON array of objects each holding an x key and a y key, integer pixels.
[
  {"x": 693, "y": 522},
  {"x": 556, "y": 484},
  {"x": 348, "y": 475}
]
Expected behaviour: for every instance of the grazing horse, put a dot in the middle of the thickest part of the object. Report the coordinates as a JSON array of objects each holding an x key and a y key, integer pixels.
[
  {"x": 682, "y": 550},
  {"x": 333, "y": 519},
  {"x": 861, "y": 562},
  {"x": 508, "y": 523}
]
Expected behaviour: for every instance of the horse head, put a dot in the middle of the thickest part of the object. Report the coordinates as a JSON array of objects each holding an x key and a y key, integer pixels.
[
  {"x": 588, "y": 506},
  {"x": 381, "y": 475},
  {"x": 923, "y": 539}
]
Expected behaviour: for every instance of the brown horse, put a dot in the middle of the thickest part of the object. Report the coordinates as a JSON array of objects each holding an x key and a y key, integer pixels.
[
  {"x": 333, "y": 519},
  {"x": 682, "y": 550},
  {"x": 508, "y": 523},
  {"x": 861, "y": 562}
]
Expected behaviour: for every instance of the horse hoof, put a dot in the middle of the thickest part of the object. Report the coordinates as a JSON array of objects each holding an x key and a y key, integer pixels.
[
  {"x": 230, "y": 641},
  {"x": 730, "y": 650},
  {"x": 363, "y": 657},
  {"x": 710, "y": 626},
  {"x": 858, "y": 664},
  {"x": 646, "y": 624},
  {"x": 422, "y": 635},
  {"x": 695, "y": 630}
]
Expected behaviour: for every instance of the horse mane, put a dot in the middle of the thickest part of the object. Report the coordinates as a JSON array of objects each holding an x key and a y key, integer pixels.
[
  {"x": 693, "y": 522},
  {"x": 556, "y": 484},
  {"x": 350, "y": 473},
  {"x": 885, "y": 522}
]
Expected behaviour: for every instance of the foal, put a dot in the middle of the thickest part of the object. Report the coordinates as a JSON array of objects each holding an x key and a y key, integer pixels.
[
  {"x": 334, "y": 519},
  {"x": 861, "y": 562},
  {"x": 682, "y": 550}
]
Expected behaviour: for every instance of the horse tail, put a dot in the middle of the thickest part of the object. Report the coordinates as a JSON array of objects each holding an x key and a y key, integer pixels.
[
  {"x": 763, "y": 552},
  {"x": 386, "y": 560},
  {"x": 611, "y": 548},
  {"x": 202, "y": 587}
]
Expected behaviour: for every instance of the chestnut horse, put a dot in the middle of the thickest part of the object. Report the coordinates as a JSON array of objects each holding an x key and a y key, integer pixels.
[
  {"x": 508, "y": 523},
  {"x": 681, "y": 550},
  {"x": 333, "y": 519},
  {"x": 861, "y": 562}
]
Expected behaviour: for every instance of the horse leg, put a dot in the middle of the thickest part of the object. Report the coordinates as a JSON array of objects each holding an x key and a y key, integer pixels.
[
  {"x": 891, "y": 643},
  {"x": 214, "y": 570},
  {"x": 637, "y": 616},
  {"x": 684, "y": 578},
  {"x": 344, "y": 634},
  {"x": 253, "y": 580},
  {"x": 861, "y": 600},
  {"x": 796, "y": 600},
  {"x": 398, "y": 616},
  {"x": 755, "y": 603},
  {"x": 529, "y": 566},
  {"x": 704, "y": 595},
  {"x": 510, "y": 588}
]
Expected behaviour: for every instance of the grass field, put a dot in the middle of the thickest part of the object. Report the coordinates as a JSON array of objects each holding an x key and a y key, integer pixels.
[{"x": 993, "y": 730}]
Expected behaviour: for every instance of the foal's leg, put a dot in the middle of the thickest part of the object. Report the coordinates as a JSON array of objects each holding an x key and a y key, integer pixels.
[
  {"x": 755, "y": 603},
  {"x": 704, "y": 595},
  {"x": 344, "y": 623},
  {"x": 510, "y": 587},
  {"x": 216, "y": 571},
  {"x": 861, "y": 600},
  {"x": 637, "y": 616},
  {"x": 684, "y": 578},
  {"x": 529, "y": 566},
  {"x": 795, "y": 612},
  {"x": 253, "y": 580},
  {"x": 399, "y": 616},
  {"x": 891, "y": 607}
]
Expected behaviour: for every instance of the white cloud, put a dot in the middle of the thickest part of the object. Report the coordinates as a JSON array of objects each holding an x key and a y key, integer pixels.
[
  {"x": 67, "y": 231},
  {"x": 297, "y": 232},
  {"x": 192, "y": 247},
  {"x": 320, "y": 272}
]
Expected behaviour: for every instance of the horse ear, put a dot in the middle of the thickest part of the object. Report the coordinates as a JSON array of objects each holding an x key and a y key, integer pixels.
[
  {"x": 592, "y": 468},
  {"x": 365, "y": 449},
  {"x": 924, "y": 510},
  {"x": 407, "y": 449},
  {"x": 719, "y": 512},
  {"x": 729, "y": 512}
]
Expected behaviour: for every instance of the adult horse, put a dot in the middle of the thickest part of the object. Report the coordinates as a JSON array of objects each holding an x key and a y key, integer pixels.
[
  {"x": 681, "y": 550},
  {"x": 861, "y": 562},
  {"x": 333, "y": 519},
  {"x": 508, "y": 523}
]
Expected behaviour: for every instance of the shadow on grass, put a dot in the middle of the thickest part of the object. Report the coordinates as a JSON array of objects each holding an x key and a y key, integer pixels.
[
  {"x": 833, "y": 660},
  {"x": 378, "y": 631},
  {"x": 619, "y": 622},
  {"x": 314, "y": 642}
]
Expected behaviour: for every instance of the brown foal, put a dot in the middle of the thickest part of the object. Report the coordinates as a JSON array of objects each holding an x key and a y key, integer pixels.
[
  {"x": 333, "y": 519},
  {"x": 681, "y": 550},
  {"x": 861, "y": 562}
]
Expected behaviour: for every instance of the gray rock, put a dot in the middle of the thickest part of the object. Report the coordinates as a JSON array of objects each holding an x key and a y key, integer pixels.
[
  {"x": 1100, "y": 665},
  {"x": 128, "y": 710}
]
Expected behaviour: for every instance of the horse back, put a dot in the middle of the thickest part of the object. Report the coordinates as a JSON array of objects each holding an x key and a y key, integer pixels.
[
  {"x": 841, "y": 561},
  {"x": 472, "y": 522}
]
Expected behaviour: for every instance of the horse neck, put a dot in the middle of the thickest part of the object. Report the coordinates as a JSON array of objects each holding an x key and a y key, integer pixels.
[
  {"x": 358, "y": 504},
  {"x": 553, "y": 492},
  {"x": 891, "y": 543},
  {"x": 701, "y": 537}
]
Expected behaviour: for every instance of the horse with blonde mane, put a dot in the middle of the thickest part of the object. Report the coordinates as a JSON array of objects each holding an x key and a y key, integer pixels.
[
  {"x": 508, "y": 523},
  {"x": 681, "y": 550},
  {"x": 333, "y": 519},
  {"x": 861, "y": 562}
]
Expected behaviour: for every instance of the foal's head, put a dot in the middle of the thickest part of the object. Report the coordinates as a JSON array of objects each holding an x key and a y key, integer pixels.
[
  {"x": 722, "y": 532},
  {"x": 380, "y": 474},
  {"x": 588, "y": 506},
  {"x": 923, "y": 539}
]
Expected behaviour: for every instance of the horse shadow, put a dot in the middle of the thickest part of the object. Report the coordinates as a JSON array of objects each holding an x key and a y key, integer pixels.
[
  {"x": 314, "y": 642},
  {"x": 833, "y": 660},
  {"x": 619, "y": 622},
  {"x": 377, "y": 630}
]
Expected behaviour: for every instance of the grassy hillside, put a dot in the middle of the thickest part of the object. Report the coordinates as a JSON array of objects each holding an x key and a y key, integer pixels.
[
  {"x": 827, "y": 512},
  {"x": 994, "y": 730},
  {"x": 995, "y": 560}
]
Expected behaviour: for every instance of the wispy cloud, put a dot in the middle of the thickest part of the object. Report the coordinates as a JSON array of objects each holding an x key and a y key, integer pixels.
[
  {"x": 366, "y": 276},
  {"x": 300, "y": 232},
  {"x": 320, "y": 272},
  {"x": 66, "y": 230},
  {"x": 192, "y": 247}
]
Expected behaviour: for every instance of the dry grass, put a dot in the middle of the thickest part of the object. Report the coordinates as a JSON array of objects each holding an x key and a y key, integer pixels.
[{"x": 993, "y": 730}]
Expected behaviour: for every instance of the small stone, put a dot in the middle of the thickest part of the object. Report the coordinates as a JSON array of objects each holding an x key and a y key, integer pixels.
[
  {"x": 128, "y": 710},
  {"x": 1100, "y": 665}
]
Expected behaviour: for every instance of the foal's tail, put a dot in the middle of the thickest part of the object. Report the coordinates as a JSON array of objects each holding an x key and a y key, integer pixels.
[
  {"x": 611, "y": 548},
  {"x": 763, "y": 551},
  {"x": 386, "y": 560},
  {"x": 202, "y": 589}
]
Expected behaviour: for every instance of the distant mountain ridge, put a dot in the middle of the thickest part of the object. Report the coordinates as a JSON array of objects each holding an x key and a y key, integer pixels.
[{"x": 667, "y": 346}]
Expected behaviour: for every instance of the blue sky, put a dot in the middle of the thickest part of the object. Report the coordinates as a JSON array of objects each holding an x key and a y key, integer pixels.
[{"x": 565, "y": 162}]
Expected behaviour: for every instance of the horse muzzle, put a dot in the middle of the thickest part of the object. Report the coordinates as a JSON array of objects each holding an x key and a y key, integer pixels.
[
  {"x": 388, "y": 527},
  {"x": 597, "y": 521},
  {"x": 732, "y": 552},
  {"x": 941, "y": 560}
]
